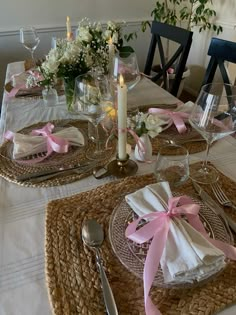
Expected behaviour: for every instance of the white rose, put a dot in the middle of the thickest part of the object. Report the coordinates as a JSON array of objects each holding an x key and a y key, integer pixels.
[
  {"x": 107, "y": 35},
  {"x": 111, "y": 25},
  {"x": 154, "y": 125},
  {"x": 84, "y": 35},
  {"x": 115, "y": 38},
  {"x": 52, "y": 62},
  {"x": 99, "y": 27}
]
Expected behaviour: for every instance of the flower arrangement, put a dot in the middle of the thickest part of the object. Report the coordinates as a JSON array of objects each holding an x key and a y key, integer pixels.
[
  {"x": 89, "y": 50},
  {"x": 145, "y": 123}
]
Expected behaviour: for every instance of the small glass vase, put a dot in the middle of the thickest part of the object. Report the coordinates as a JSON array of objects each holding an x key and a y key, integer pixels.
[
  {"x": 50, "y": 96},
  {"x": 143, "y": 152},
  {"x": 69, "y": 86}
]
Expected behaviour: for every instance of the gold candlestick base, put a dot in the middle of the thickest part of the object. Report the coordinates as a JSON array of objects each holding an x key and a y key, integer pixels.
[{"x": 122, "y": 168}]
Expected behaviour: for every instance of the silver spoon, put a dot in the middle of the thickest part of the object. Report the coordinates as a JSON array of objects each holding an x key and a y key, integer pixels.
[{"x": 93, "y": 236}]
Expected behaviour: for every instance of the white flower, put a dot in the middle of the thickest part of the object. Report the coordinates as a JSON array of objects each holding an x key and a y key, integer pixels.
[
  {"x": 153, "y": 124},
  {"x": 115, "y": 38},
  {"x": 107, "y": 35},
  {"x": 84, "y": 34},
  {"x": 51, "y": 64},
  {"x": 111, "y": 25}
]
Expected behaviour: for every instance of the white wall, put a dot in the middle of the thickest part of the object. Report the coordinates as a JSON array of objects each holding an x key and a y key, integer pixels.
[{"x": 49, "y": 17}]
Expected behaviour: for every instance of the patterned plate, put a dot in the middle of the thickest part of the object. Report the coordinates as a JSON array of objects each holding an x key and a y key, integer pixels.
[{"x": 133, "y": 255}]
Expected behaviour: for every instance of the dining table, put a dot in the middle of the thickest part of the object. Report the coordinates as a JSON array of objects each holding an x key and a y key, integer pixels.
[{"x": 23, "y": 210}]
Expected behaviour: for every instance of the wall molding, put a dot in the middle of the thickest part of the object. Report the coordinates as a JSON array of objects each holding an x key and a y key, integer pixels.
[{"x": 61, "y": 28}]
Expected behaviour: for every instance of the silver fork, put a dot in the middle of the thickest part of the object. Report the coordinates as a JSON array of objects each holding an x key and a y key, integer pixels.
[{"x": 221, "y": 196}]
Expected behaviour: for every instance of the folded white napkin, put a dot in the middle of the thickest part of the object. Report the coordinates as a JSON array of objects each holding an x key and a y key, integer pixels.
[
  {"x": 25, "y": 145},
  {"x": 19, "y": 79},
  {"x": 187, "y": 255},
  {"x": 185, "y": 108}
]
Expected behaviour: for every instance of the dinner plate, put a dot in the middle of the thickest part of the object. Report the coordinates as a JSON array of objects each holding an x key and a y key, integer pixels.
[
  {"x": 55, "y": 159},
  {"x": 133, "y": 255}
]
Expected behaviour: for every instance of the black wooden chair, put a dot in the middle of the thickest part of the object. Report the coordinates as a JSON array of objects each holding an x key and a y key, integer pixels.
[
  {"x": 179, "y": 58},
  {"x": 220, "y": 51}
]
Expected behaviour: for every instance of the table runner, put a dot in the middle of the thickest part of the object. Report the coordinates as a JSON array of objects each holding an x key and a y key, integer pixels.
[{"x": 72, "y": 278}]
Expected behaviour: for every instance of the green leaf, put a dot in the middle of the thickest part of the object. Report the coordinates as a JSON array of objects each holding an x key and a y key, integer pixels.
[{"x": 125, "y": 51}]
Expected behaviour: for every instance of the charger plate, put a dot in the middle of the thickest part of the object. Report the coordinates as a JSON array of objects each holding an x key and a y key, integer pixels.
[
  {"x": 10, "y": 169},
  {"x": 133, "y": 255},
  {"x": 73, "y": 280}
]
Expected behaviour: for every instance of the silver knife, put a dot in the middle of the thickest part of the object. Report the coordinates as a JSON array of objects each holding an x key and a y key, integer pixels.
[
  {"x": 29, "y": 176},
  {"x": 212, "y": 204}
]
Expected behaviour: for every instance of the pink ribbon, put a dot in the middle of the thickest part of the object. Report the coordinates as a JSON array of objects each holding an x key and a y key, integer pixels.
[
  {"x": 176, "y": 117},
  {"x": 157, "y": 228},
  {"x": 18, "y": 87},
  {"x": 54, "y": 143}
]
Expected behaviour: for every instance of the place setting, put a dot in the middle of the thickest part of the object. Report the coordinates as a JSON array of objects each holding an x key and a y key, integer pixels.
[
  {"x": 166, "y": 245},
  {"x": 58, "y": 152},
  {"x": 157, "y": 235}
]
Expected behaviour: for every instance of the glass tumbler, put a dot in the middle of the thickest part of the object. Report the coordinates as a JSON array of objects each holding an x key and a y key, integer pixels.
[{"x": 172, "y": 165}]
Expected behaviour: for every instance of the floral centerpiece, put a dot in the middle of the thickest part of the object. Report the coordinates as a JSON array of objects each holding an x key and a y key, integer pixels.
[
  {"x": 146, "y": 123},
  {"x": 89, "y": 50}
]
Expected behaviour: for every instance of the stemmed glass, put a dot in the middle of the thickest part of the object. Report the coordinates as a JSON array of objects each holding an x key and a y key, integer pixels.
[
  {"x": 125, "y": 64},
  {"x": 29, "y": 39},
  {"x": 93, "y": 101},
  {"x": 214, "y": 117}
]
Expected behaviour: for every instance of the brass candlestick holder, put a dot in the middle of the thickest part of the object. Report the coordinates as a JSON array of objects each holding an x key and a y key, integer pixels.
[{"x": 122, "y": 168}]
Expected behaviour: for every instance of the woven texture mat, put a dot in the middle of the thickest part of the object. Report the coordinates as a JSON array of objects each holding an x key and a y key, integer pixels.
[
  {"x": 72, "y": 278},
  {"x": 171, "y": 134},
  {"x": 10, "y": 169}
]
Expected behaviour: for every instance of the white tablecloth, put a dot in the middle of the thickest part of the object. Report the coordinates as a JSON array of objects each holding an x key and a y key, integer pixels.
[{"x": 22, "y": 210}]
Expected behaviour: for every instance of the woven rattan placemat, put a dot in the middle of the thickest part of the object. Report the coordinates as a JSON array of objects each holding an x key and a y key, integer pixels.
[
  {"x": 10, "y": 169},
  {"x": 169, "y": 134},
  {"x": 72, "y": 278}
]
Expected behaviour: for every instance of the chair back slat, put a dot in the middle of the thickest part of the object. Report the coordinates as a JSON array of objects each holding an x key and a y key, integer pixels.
[
  {"x": 175, "y": 34},
  {"x": 220, "y": 51}
]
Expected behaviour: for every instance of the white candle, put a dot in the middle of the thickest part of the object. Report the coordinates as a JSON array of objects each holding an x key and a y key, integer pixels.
[
  {"x": 68, "y": 28},
  {"x": 111, "y": 49},
  {"x": 122, "y": 119}
]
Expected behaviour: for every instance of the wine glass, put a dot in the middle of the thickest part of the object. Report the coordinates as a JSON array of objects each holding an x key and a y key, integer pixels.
[
  {"x": 93, "y": 101},
  {"x": 214, "y": 117},
  {"x": 125, "y": 64},
  {"x": 29, "y": 39}
]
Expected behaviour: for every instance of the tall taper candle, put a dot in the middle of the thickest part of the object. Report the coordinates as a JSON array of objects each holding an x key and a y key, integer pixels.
[
  {"x": 122, "y": 119},
  {"x": 68, "y": 28}
]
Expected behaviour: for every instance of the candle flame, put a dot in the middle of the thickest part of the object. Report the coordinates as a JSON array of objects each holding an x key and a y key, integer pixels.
[
  {"x": 110, "y": 42},
  {"x": 121, "y": 79},
  {"x": 67, "y": 19}
]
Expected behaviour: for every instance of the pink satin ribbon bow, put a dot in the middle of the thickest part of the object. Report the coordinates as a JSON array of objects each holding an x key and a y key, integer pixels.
[
  {"x": 157, "y": 228},
  {"x": 176, "y": 117},
  {"x": 54, "y": 143}
]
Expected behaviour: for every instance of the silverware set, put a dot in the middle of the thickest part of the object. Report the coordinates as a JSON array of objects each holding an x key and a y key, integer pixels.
[
  {"x": 214, "y": 206},
  {"x": 221, "y": 196},
  {"x": 41, "y": 176}
]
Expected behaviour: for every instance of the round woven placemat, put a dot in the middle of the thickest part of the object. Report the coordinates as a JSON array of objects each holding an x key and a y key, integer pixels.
[
  {"x": 169, "y": 135},
  {"x": 10, "y": 169},
  {"x": 72, "y": 278}
]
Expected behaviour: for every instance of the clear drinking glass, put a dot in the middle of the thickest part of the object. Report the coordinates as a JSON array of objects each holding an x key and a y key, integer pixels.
[
  {"x": 214, "y": 117},
  {"x": 29, "y": 39},
  {"x": 125, "y": 64},
  {"x": 172, "y": 165},
  {"x": 93, "y": 101}
]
